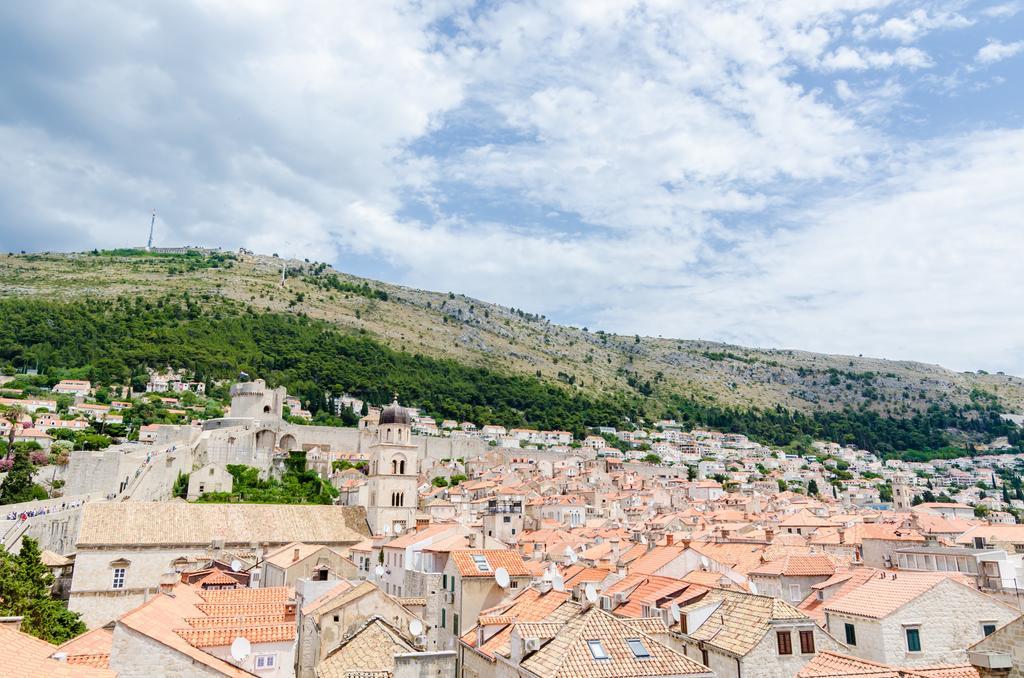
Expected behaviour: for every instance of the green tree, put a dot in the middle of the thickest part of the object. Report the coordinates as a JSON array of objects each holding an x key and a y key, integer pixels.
[
  {"x": 812, "y": 488},
  {"x": 18, "y": 486},
  {"x": 13, "y": 414},
  {"x": 652, "y": 459},
  {"x": 25, "y": 584}
]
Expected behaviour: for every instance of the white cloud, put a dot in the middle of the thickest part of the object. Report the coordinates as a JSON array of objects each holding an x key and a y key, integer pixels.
[
  {"x": 624, "y": 163},
  {"x": 861, "y": 59},
  {"x": 920, "y": 22},
  {"x": 1004, "y": 10},
  {"x": 997, "y": 51}
]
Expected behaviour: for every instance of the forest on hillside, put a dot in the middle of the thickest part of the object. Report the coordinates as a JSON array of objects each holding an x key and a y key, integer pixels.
[{"x": 115, "y": 341}]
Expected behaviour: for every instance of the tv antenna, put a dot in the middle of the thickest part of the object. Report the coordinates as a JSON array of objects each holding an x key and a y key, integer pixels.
[{"x": 152, "y": 222}]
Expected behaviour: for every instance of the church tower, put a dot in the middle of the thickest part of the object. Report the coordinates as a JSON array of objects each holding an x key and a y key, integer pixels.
[
  {"x": 902, "y": 494},
  {"x": 393, "y": 473}
]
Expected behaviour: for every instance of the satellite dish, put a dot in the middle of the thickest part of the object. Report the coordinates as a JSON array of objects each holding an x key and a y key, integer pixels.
[
  {"x": 501, "y": 577},
  {"x": 415, "y": 627},
  {"x": 379, "y": 570},
  {"x": 704, "y": 561},
  {"x": 558, "y": 583},
  {"x": 573, "y": 557},
  {"x": 236, "y": 565},
  {"x": 591, "y": 592},
  {"x": 674, "y": 611},
  {"x": 240, "y": 648}
]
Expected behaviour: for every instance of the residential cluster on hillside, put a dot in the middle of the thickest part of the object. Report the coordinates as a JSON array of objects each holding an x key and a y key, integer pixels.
[{"x": 242, "y": 539}]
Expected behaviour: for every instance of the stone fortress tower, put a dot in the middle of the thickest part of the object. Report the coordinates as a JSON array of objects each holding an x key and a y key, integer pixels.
[
  {"x": 253, "y": 400},
  {"x": 393, "y": 473}
]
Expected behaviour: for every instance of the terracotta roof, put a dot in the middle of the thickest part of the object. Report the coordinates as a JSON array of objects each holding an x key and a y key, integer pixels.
[
  {"x": 148, "y": 523},
  {"x": 285, "y": 556},
  {"x": 833, "y": 665},
  {"x": 886, "y": 592},
  {"x": 407, "y": 540},
  {"x": 530, "y": 605},
  {"x": 506, "y": 558},
  {"x": 797, "y": 565},
  {"x": 221, "y": 637},
  {"x": 655, "y": 559},
  {"x": 568, "y": 654},
  {"x": 804, "y": 518},
  {"x": 370, "y": 650},
  {"x": 741, "y": 619},
  {"x": 90, "y": 649},
  {"x": 31, "y": 657}
]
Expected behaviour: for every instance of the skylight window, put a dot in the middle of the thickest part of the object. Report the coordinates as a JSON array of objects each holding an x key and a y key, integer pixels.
[
  {"x": 597, "y": 649},
  {"x": 637, "y": 646},
  {"x": 481, "y": 563}
]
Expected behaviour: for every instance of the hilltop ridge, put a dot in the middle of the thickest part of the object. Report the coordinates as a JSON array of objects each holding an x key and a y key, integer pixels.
[{"x": 479, "y": 333}]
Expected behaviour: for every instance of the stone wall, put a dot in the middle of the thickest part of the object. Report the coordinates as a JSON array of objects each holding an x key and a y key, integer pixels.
[
  {"x": 134, "y": 655},
  {"x": 425, "y": 665},
  {"x": 56, "y": 531},
  {"x": 1008, "y": 640}
]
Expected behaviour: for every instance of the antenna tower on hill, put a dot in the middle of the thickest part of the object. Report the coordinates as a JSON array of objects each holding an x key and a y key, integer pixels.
[{"x": 152, "y": 222}]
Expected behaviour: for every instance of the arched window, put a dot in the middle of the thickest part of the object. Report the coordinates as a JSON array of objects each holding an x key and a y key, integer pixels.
[
  {"x": 401, "y": 498},
  {"x": 394, "y": 467},
  {"x": 401, "y": 467}
]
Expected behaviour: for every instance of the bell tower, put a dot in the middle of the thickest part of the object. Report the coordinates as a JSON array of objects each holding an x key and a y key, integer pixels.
[{"x": 394, "y": 473}]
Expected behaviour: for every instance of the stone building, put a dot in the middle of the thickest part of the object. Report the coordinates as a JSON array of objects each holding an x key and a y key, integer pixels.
[
  {"x": 209, "y": 478},
  {"x": 1001, "y": 652},
  {"x": 124, "y": 548}
]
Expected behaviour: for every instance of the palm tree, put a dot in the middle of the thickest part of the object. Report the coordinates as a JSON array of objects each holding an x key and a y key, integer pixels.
[{"x": 13, "y": 414}]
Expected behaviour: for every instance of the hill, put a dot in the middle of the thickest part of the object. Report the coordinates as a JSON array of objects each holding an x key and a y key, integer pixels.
[{"x": 647, "y": 376}]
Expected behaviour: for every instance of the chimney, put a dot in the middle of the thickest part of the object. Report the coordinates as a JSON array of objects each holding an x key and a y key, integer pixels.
[
  {"x": 11, "y": 622},
  {"x": 669, "y": 539},
  {"x": 842, "y": 535},
  {"x": 295, "y": 555},
  {"x": 685, "y": 543},
  {"x": 422, "y": 523},
  {"x": 769, "y": 534},
  {"x": 471, "y": 539},
  {"x": 167, "y": 582}
]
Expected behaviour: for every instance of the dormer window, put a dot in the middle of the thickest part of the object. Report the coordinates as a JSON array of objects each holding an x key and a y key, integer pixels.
[
  {"x": 597, "y": 650},
  {"x": 637, "y": 647}
]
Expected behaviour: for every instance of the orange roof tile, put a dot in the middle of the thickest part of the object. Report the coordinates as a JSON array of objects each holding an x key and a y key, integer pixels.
[
  {"x": 220, "y": 637},
  {"x": 29, "y": 657},
  {"x": 506, "y": 558}
]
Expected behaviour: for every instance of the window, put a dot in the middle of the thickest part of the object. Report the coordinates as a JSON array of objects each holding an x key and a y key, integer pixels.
[
  {"x": 443, "y": 615},
  {"x": 637, "y": 646},
  {"x": 337, "y": 618},
  {"x": 979, "y": 542},
  {"x": 785, "y": 642},
  {"x": 506, "y": 519},
  {"x": 455, "y": 624},
  {"x": 988, "y": 628},
  {"x": 444, "y": 582},
  {"x": 481, "y": 563},
  {"x": 794, "y": 593},
  {"x": 118, "y": 578},
  {"x": 266, "y": 661},
  {"x": 807, "y": 642},
  {"x": 913, "y": 639},
  {"x": 597, "y": 649},
  {"x": 851, "y": 635}
]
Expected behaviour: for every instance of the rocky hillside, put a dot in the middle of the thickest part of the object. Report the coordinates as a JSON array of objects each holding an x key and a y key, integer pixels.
[{"x": 511, "y": 340}]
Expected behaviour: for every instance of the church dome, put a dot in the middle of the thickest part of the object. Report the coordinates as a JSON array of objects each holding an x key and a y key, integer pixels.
[{"x": 395, "y": 414}]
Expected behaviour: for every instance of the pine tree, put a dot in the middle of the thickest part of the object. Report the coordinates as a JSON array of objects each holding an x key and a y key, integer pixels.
[
  {"x": 25, "y": 584},
  {"x": 812, "y": 488}
]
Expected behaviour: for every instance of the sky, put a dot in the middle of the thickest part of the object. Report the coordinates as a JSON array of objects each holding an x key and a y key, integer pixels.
[{"x": 843, "y": 176}]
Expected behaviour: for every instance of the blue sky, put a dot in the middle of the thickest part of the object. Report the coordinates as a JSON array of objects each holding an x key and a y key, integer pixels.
[{"x": 835, "y": 176}]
